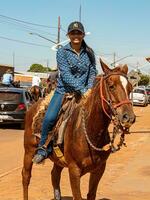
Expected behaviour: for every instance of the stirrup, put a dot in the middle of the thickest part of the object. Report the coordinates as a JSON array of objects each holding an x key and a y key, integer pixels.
[
  {"x": 38, "y": 158},
  {"x": 41, "y": 148}
]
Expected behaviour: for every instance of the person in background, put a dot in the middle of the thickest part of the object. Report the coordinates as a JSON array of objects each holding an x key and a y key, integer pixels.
[
  {"x": 77, "y": 72},
  {"x": 7, "y": 78},
  {"x": 36, "y": 80},
  {"x": 49, "y": 79}
]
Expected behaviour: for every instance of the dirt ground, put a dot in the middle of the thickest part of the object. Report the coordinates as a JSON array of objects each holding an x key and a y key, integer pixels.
[{"x": 127, "y": 176}]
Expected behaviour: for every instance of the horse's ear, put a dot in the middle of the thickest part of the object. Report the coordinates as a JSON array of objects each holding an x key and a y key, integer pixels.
[
  {"x": 125, "y": 69},
  {"x": 105, "y": 68}
]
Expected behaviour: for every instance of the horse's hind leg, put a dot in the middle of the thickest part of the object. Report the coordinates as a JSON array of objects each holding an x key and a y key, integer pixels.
[
  {"x": 55, "y": 176},
  {"x": 94, "y": 180},
  {"x": 26, "y": 172}
]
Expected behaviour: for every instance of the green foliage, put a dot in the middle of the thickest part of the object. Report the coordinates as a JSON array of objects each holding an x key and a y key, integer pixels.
[
  {"x": 145, "y": 79},
  {"x": 39, "y": 68}
]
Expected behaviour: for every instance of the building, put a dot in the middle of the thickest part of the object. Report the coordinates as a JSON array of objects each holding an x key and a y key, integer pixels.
[{"x": 25, "y": 78}]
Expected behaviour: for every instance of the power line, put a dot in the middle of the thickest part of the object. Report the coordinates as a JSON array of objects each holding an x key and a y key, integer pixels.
[
  {"x": 41, "y": 25},
  {"x": 29, "y": 28},
  {"x": 25, "y": 27},
  {"x": 63, "y": 29},
  {"x": 20, "y": 41}
]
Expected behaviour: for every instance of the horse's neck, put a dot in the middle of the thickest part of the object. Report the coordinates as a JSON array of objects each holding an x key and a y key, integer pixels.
[{"x": 96, "y": 120}]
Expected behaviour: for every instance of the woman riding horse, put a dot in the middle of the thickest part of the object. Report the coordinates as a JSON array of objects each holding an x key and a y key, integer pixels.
[
  {"x": 87, "y": 143},
  {"x": 76, "y": 64}
]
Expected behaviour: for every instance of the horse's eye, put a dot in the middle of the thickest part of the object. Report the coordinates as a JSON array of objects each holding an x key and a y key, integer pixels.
[{"x": 111, "y": 87}]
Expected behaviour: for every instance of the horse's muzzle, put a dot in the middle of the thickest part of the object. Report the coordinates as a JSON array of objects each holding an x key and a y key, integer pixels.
[{"x": 127, "y": 119}]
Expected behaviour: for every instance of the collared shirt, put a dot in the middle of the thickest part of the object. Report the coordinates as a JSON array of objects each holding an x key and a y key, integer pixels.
[
  {"x": 7, "y": 78},
  {"x": 36, "y": 81},
  {"x": 76, "y": 73}
]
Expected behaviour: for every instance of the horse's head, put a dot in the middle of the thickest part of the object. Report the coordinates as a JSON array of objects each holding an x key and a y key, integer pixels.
[
  {"x": 114, "y": 91},
  {"x": 16, "y": 84},
  {"x": 35, "y": 92},
  {"x": 51, "y": 85}
]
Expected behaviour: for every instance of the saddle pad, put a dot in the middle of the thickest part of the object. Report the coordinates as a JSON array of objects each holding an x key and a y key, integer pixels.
[{"x": 39, "y": 116}]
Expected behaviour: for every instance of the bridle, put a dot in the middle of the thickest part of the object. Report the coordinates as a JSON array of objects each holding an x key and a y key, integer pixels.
[
  {"x": 107, "y": 99},
  {"x": 113, "y": 116}
]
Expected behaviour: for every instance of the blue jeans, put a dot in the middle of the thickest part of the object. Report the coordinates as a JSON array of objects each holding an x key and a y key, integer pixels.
[{"x": 50, "y": 119}]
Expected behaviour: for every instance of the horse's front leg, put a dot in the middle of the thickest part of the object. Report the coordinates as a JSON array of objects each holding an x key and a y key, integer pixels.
[
  {"x": 95, "y": 177},
  {"x": 26, "y": 172},
  {"x": 75, "y": 174},
  {"x": 55, "y": 176}
]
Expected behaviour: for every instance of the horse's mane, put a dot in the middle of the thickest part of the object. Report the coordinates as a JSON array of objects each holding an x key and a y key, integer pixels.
[{"x": 92, "y": 99}]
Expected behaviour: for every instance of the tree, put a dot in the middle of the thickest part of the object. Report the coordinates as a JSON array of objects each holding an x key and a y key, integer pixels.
[
  {"x": 39, "y": 68},
  {"x": 145, "y": 79}
]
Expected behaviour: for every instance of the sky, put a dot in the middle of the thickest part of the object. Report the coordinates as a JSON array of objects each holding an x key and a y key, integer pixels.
[{"x": 118, "y": 28}]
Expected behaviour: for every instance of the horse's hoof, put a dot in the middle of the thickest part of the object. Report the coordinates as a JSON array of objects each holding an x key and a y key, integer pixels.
[{"x": 57, "y": 194}]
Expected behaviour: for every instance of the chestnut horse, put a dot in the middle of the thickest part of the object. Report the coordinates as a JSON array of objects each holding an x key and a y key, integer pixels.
[
  {"x": 51, "y": 85},
  {"x": 35, "y": 92},
  {"x": 87, "y": 143}
]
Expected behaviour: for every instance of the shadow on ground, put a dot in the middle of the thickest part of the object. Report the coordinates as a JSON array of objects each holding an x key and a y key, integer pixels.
[
  {"x": 70, "y": 198},
  {"x": 11, "y": 126},
  {"x": 104, "y": 199}
]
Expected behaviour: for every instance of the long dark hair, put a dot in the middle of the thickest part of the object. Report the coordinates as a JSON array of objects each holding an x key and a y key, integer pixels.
[{"x": 90, "y": 52}]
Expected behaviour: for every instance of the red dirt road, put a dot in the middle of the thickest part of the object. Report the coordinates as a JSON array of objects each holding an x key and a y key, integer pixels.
[{"x": 127, "y": 176}]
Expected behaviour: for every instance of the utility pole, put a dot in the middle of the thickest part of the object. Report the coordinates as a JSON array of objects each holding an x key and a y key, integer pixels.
[
  {"x": 115, "y": 61},
  {"x": 47, "y": 65},
  {"x": 13, "y": 59},
  {"x": 58, "y": 36},
  {"x": 114, "y": 55},
  {"x": 80, "y": 13}
]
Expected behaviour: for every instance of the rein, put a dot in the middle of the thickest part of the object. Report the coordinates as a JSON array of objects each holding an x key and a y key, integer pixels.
[
  {"x": 117, "y": 129},
  {"x": 104, "y": 148}
]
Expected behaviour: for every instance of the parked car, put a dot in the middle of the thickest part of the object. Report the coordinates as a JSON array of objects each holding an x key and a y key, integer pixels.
[
  {"x": 139, "y": 96},
  {"x": 148, "y": 94},
  {"x": 142, "y": 86},
  {"x": 14, "y": 102}
]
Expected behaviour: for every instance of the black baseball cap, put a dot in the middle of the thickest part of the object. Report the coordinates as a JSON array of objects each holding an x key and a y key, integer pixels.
[{"x": 76, "y": 26}]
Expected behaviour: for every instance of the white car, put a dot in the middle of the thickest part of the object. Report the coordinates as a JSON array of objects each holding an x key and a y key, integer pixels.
[{"x": 139, "y": 97}]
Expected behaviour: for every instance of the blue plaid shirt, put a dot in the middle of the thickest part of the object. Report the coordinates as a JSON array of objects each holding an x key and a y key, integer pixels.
[{"x": 74, "y": 70}]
